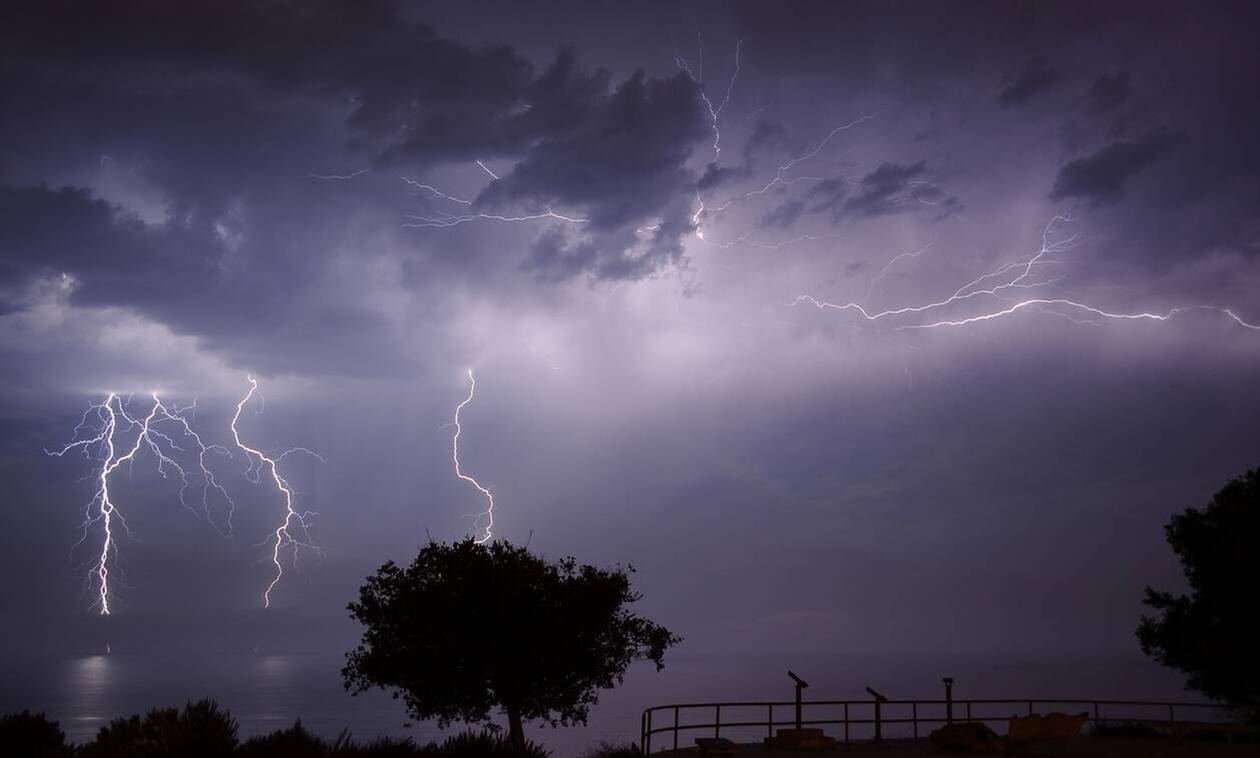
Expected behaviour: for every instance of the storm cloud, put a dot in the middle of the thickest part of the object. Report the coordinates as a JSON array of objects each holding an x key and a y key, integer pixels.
[
  {"x": 357, "y": 202},
  {"x": 1101, "y": 176}
]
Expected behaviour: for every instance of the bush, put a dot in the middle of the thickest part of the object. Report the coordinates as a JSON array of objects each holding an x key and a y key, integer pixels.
[
  {"x": 1123, "y": 729},
  {"x": 294, "y": 742},
  {"x": 381, "y": 747},
  {"x": 607, "y": 749},
  {"x": 484, "y": 744},
  {"x": 201, "y": 730},
  {"x": 32, "y": 734}
]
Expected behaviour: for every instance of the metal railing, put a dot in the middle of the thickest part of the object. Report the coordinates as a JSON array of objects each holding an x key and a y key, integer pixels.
[{"x": 850, "y": 714}]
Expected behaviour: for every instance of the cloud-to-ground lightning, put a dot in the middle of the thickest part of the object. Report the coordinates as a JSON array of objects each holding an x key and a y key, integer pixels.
[
  {"x": 97, "y": 436},
  {"x": 485, "y": 520},
  {"x": 293, "y": 531},
  {"x": 997, "y": 285}
]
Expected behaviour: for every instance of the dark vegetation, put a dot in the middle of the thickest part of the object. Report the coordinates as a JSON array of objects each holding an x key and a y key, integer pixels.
[
  {"x": 204, "y": 730},
  {"x": 1212, "y": 634},
  {"x": 471, "y": 629},
  {"x": 614, "y": 750},
  {"x": 1123, "y": 729},
  {"x": 466, "y": 629},
  {"x": 32, "y": 734}
]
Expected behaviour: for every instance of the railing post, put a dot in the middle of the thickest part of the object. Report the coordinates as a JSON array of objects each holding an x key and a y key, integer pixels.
[
  {"x": 1030, "y": 708},
  {"x": 1095, "y": 713},
  {"x": 949, "y": 699},
  {"x": 969, "y": 710},
  {"x": 914, "y": 717},
  {"x": 769, "y": 719},
  {"x": 647, "y": 748},
  {"x": 675, "y": 727},
  {"x": 846, "y": 722},
  {"x": 1172, "y": 721},
  {"x": 717, "y": 721},
  {"x": 643, "y": 733}
]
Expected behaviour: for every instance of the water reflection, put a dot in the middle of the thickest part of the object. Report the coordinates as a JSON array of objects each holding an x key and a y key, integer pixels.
[{"x": 89, "y": 684}]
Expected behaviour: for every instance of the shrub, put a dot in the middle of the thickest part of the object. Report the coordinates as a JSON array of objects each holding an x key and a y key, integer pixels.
[
  {"x": 484, "y": 744},
  {"x": 381, "y": 747},
  {"x": 32, "y": 734},
  {"x": 201, "y": 730},
  {"x": 607, "y": 749},
  {"x": 294, "y": 742},
  {"x": 1123, "y": 729}
]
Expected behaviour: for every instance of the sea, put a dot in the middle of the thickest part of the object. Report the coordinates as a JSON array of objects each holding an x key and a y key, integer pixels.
[{"x": 271, "y": 691}]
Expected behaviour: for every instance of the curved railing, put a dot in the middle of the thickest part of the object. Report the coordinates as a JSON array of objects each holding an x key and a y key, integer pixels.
[{"x": 869, "y": 719}]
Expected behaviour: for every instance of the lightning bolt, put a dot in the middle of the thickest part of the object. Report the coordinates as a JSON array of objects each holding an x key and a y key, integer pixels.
[
  {"x": 96, "y": 437},
  {"x": 1024, "y": 274},
  {"x": 486, "y": 168},
  {"x": 293, "y": 531},
  {"x": 337, "y": 177},
  {"x": 781, "y": 177},
  {"x": 486, "y": 516},
  {"x": 714, "y": 111},
  {"x": 445, "y": 219}
]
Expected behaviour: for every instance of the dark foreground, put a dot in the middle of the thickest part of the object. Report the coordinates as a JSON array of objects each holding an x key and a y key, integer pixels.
[{"x": 1075, "y": 747}]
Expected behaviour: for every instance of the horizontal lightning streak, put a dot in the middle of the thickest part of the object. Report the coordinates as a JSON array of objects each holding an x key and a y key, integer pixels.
[{"x": 1023, "y": 279}]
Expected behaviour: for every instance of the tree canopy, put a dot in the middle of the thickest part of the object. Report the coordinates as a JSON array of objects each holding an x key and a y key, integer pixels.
[
  {"x": 468, "y": 629},
  {"x": 1213, "y": 633}
]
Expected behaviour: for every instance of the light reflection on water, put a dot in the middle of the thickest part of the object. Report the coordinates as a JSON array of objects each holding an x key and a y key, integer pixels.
[
  {"x": 267, "y": 692},
  {"x": 264, "y": 692}
]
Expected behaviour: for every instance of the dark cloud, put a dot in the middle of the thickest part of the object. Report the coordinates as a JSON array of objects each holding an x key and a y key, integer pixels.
[
  {"x": 408, "y": 98},
  {"x": 112, "y": 256},
  {"x": 1101, "y": 176},
  {"x": 1036, "y": 79},
  {"x": 622, "y": 167},
  {"x": 1109, "y": 91},
  {"x": 890, "y": 188},
  {"x": 643, "y": 392}
]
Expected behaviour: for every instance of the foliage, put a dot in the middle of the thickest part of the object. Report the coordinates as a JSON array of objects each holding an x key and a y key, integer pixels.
[
  {"x": 1123, "y": 729},
  {"x": 1213, "y": 634},
  {"x": 613, "y": 750},
  {"x": 201, "y": 730},
  {"x": 32, "y": 734},
  {"x": 468, "y": 628},
  {"x": 294, "y": 742},
  {"x": 470, "y": 744}
]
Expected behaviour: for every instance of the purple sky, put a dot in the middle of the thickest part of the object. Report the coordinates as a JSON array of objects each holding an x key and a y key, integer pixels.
[{"x": 780, "y": 475}]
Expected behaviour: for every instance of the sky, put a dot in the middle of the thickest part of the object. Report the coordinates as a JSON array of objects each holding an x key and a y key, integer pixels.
[{"x": 645, "y": 228}]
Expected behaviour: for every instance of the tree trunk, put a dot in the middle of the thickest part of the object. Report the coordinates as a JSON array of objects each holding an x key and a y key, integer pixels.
[{"x": 516, "y": 732}]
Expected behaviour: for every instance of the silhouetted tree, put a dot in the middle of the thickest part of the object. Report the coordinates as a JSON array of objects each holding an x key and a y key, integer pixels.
[
  {"x": 1213, "y": 634},
  {"x": 32, "y": 735},
  {"x": 467, "y": 628}
]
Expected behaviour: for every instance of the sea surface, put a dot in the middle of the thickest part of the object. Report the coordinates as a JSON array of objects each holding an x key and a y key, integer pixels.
[{"x": 267, "y": 692}]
